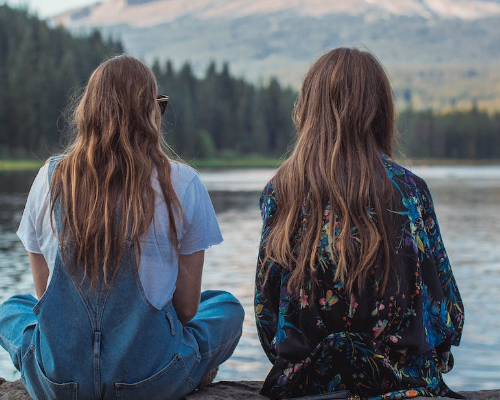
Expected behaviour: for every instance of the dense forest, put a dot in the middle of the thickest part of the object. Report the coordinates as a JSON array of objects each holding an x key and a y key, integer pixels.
[
  {"x": 222, "y": 115},
  {"x": 471, "y": 134},
  {"x": 43, "y": 68},
  {"x": 40, "y": 67}
]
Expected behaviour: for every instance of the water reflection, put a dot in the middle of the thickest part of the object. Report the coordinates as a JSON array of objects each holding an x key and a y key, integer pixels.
[{"x": 467, "y": 201}]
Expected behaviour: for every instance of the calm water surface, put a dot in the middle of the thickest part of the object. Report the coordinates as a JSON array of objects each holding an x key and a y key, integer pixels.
[{"x": 467, "y": 201}]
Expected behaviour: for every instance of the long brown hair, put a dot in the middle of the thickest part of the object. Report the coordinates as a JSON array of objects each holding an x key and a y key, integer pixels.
[
  {"x": 103, "y": 183},
  {"x": 345, "y": 121}
]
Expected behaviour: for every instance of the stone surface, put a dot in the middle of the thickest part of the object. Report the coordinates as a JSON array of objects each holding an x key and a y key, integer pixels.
[
  {"x": 13, "y": 390},
  {"x": 240, "y": 390}
]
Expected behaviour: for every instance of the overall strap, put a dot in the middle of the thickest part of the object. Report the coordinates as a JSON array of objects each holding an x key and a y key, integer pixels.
[
  {"x": 52, "y": 165},
  {"x": 53, "y": 161}
]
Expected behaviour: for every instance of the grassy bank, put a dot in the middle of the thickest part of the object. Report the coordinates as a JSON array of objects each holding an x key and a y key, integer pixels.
[
  {"x": 212, "y": 163},
  {"x": 20, "y": 165},
  {"x": 234, "y": 162},
  {"x": 448, "y": 162},
  {"x": 245, "y": 162}
]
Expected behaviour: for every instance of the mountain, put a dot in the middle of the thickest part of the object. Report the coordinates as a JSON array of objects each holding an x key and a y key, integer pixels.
[
  {"x": 439, "y": 53},
  {"x": 143, "y": 13}
]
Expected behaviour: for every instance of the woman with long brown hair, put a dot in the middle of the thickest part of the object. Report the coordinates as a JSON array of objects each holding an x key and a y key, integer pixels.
[
  {"x": 116, "y": 234},
  {"x": 354, "y": 290}
]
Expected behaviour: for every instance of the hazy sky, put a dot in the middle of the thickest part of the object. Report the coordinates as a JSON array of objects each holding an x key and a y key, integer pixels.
[{"x": 46, "y": 8}]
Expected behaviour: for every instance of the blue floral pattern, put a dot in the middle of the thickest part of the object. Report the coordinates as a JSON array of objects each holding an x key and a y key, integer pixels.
[{"x": 390, "y": 346}]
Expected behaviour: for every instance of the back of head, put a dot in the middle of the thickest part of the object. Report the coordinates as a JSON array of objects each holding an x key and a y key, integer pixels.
[
  {"x": 104, "y": 180},
  {"x": 346, "y": 100},
  {"x": 345, "y": 121},
  {"x": 116, "y": 107}
]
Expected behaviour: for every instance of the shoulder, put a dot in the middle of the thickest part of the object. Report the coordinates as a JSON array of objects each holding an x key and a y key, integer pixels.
[
  {"x": 183, "y": 171},
  {"x": 189, "y": 187},
  {"x": 183, "y": 176},
  {"x": 413, "y": 190},
  {"x": 268, "y": 200},
  {"x": 39, "y": 193},
  {"x": 41, "y": 183},
  {"x": 401, "y": 175},
  {"x": 270, "y": 189}
]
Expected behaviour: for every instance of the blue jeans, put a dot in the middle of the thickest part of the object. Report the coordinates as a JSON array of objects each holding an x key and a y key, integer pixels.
[{"x": 208, "y": 340}]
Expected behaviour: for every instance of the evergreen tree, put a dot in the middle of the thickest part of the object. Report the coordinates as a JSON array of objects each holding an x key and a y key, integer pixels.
[
  {"x": 216, "y": 114},
  {"x": 39, "y": 68}
]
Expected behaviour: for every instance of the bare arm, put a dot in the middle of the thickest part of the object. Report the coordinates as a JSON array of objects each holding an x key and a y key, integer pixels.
[
  {"x": 40, "y": 271},
  {"x": 187, "y": 293}
]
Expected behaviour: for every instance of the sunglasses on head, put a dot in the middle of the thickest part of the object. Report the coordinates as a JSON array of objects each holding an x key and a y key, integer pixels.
[{"x": 162, "y": 101}]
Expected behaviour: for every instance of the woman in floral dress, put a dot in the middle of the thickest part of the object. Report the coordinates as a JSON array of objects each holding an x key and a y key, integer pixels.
[{"x": 354, "y": 289}]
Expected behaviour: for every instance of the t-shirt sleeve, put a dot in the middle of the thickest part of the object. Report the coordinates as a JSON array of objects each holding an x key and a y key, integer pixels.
[
  {"x": 201, "y": 229},
  {"x": 27, "y": 230}
]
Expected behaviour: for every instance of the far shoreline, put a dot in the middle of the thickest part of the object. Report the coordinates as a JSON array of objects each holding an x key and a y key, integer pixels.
[{"x": 248, "y": 162}]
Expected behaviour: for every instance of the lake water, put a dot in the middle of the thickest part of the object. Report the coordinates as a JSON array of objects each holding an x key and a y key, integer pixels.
[{"x": 467, "y": 201}]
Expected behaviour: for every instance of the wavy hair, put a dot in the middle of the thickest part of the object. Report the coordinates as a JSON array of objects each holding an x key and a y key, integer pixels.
[
  {"x": 345, "y": 121},
  {"x": 103, "y": 184}
]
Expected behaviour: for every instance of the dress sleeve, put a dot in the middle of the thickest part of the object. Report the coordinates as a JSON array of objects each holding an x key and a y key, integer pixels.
[
  {"x": 267, "y": 280},
  {"x": 201, "y": 229},
  {"x": 452, "y": 299}
]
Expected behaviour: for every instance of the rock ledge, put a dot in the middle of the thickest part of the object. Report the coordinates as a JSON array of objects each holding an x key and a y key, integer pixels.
[{"x": 241, "y": 390}]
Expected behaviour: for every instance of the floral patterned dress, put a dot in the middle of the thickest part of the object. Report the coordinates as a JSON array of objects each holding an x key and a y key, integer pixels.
[{"x": 391, "y": 346}]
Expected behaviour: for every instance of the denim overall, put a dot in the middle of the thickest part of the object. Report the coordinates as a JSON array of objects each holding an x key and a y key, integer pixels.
[{"x": 111, "y": 342}]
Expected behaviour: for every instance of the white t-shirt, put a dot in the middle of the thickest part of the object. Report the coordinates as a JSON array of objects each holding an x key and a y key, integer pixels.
[{"x": 198, "y": 230}]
